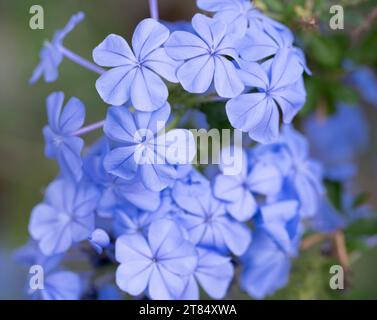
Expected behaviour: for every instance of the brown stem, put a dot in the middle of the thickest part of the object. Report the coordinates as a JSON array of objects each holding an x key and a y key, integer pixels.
[{"x": 357, "y": 33}]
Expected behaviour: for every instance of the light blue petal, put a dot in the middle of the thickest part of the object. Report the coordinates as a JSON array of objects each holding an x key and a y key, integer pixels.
[
  {"x": 183, "y": 45},
  {"x": 196, "y": 75},
  {"x": 114, "y": 51},
  {"x": 114, "y": 86},
  {"x": 227, "y": 82},
  {"x": 148, "y": 36},
  {"x": 148, "y": 91}
]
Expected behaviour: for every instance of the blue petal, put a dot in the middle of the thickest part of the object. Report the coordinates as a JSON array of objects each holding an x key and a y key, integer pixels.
[
  {"x": 114, "y": 51},
  {"x": 196, "y": 75},
  {"x": 227, "y": 81},
  {"x": 183, "y": 45},
  {"x": 148, "y": 91},
  {"x": 266, "y": 268},
  {"x": 149, "y": 35},
  {"x": 63, "y": 285},
  {"x": 120, "y": 125},
  {"x": 121, "y": 162},
  {"x": 114, "y": 86},
  {"x": 72, "y": 117}
]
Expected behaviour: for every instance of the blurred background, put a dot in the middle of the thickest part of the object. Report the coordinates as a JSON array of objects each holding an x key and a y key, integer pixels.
[{"x": 25, "y": 172}]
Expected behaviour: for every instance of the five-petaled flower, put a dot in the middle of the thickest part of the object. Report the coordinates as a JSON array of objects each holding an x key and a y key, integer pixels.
[
  {"x": 159, "y": 264},
  {"x": 280, "y": 86},
  {"x": 61, "y": 143},
  {"x": 136, "y": 74},
  {"x": 206, "y": 58}
]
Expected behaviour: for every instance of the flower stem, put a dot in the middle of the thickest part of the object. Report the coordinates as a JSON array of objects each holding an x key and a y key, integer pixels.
[
  {"x": 153, "y": 7},
  {"x": 89, "y": 128},
  {"x": 80, "y": 60}
]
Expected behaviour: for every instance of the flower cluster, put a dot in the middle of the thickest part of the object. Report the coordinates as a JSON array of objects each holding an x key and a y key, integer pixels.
[{"x": 134, "y": 203}]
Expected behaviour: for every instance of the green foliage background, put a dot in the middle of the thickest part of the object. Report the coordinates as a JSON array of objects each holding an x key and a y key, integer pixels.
[{"x": 24, "y": 171}]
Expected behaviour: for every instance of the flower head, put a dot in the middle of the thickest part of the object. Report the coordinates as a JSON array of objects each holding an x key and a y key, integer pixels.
[
  {"x": 159, "y": 263},
  {"x": 50, "y": 55},
  {"x": 237, "y": 14},
  {"x": 135, "y": 74},
  {"x": 280, "y": 90},
  {"x": 61, "y": 144},
  {"x": 65, "y": 217},
  {"x": 208, "y": 224},
  {"x": 205, "y": 58},
  {"x": 266, "y": 267},
  {"x": 237, "y": 190},
  {"x": 214, "y": 273}
]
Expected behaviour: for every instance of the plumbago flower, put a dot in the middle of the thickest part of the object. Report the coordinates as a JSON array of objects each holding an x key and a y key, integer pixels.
[
  {"x": 65, "y": 217},
  {"x": 280, "y": 89},
  {"x": 338, "y": 140},
  {"x": 158, "y": 264},
  {"x": 51, "y": 55},
  {"x": 140, "y": 151},
  {"x": 237, "y": 190},
  {"x": 265, "y": 267},
  {"x": 59, "y": 134},
  {"x": 267, "y": 41},
  {"x": 205, "y": 58},
  {"x": 237, "y": 14},
  {"x": 136, "y": 74},
  {"x": 302, "y": 175},
  {"x": 214, "y": 273},
  {"x": 209, "y": 224}
]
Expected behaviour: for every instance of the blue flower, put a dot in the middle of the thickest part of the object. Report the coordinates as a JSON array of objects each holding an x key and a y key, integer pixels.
[
  {"x": 327, "y": 219},
  {"x": 136, "y": 74},
  {"x": 208, "y": 224},
  {"x": 129, "y": 220},
  {"x": 338, "y": 140},
  {"x": 267, "y": 40},
  {"x": 50, "y": 55},
  {"x": 237, "y": 190},
  {"x": 281, "y": 221},
  {"x": 60, "y": 285},
  {"x": 190, "y": 183},
  {"x": 265, "y": 267},
  {"x": 65, "y": 217},
  {"x": 365, "y": 80},
  {"x": 236, "y": 14},
  {"x": 280, "y": 90},
  {"x": 115, "y": 191},
  {"x": 304, "y": 178},
  {"x": 141, "y": 151},
  {"x": 214, "y": 273},
  {"x": 159, "y": 263},
  {"x": 205, "y": 56},
  {"x": 99, "y": 240},
  {"x": 61, "y": 144}
]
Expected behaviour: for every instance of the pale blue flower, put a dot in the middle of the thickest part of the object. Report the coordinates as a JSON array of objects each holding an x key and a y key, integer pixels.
[
  {"x": 281, "y": 90},
  {"x": 50, "y": 54},
  {"x": 135, "y": 74},
  {"x": 65, "y": 217},
  {"x": 237, "y": 191},
  {"x": 208, "y": 224},
  {"x": 205, "y": 56},
  {"x": 158, "y": 265},
  {"x": 61, "y": 143},
  {"x": 213, "y": 273}
]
